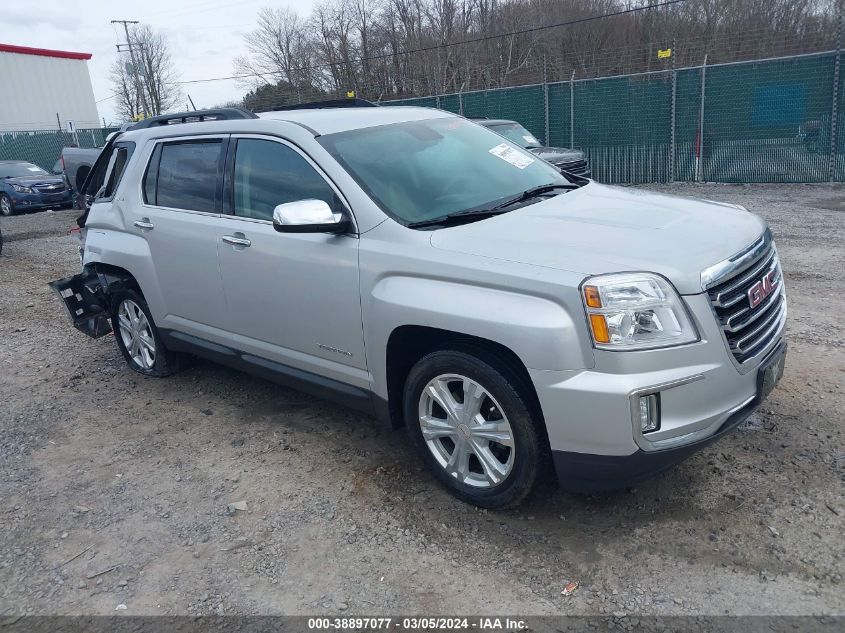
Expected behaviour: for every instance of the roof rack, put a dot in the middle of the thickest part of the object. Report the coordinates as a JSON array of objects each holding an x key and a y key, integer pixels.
[
  {"x": 331, "y": 103},
  {"x": 216, "y": 114}
]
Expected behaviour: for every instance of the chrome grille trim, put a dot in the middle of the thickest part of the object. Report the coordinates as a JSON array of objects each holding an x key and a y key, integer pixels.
[
  {"x": 742, "y": 279},
  {"x": 734, "y": 265},
  {"x": 748, "y": 332}
]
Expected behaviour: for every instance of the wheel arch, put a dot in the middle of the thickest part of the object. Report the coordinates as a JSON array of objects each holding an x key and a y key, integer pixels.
[
  {"x": 114, "y": 279},
  {"x": 407, "y": 344}
]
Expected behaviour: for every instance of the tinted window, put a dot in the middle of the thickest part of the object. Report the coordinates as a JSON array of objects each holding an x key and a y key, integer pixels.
[
  {"x": 120, "y": 158},
  {"x": 187, "y": 176},
  {"x": 268, "y": 174}
]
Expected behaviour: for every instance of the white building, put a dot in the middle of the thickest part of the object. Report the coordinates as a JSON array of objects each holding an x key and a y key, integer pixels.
[{"x": 42, "y": 89}]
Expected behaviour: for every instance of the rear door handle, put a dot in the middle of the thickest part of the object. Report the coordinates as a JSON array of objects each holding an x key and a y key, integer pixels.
[
  {"x": 144, "y": 224},
  {"x": 236, "y": 240}
]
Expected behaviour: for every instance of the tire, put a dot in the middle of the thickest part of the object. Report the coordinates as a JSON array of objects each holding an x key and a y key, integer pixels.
[
  {"x": 147, "y": 353},
  {"x": 6, "y": 205},
  {"x": 519, "y": 458}
]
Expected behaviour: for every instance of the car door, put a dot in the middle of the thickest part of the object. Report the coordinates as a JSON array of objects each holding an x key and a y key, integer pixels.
[
  {"x": 180, "y": 218},
  {"x": 292, "y": 298}
]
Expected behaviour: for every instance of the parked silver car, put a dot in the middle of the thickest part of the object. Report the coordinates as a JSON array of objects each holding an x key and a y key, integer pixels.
[{"x": 413, "y": 264}]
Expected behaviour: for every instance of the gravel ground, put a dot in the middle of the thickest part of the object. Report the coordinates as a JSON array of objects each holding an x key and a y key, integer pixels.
[{"x": 114, "y": 488}]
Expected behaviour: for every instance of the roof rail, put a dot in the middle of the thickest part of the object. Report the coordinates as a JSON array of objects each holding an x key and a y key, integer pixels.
[
  {"x": 331, "y": 103},
  {"x": 216, "y": 114}
]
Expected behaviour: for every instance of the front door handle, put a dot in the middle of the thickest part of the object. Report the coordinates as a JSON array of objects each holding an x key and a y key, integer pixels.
[
  {"x": 144, "y": 224},
  {"x": 236, "y": 240}
]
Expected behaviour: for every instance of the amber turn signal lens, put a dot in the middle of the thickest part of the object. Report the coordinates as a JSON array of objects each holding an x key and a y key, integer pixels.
[
  {"x": 599, "y": 325},
  {"x": 592, "y": 297}
]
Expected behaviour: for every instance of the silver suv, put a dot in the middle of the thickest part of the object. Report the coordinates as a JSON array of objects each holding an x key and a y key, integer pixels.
[{"x": 413, "y": 264}]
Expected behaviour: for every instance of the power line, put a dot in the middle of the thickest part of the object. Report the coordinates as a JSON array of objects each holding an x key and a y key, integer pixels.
[{"x": 442, "y": 46}]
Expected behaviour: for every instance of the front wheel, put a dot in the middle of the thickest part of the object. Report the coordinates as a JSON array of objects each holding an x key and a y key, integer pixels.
[
  {"x": 469, "y": 421},
  {"x": 6, "y": 205},
  {"x": 138, "y": 338}
]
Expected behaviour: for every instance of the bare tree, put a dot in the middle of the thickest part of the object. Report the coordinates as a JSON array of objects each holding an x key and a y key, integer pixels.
[
  {"x": 156, "y": 68},
  {"x": 395, "y": 48},
  {"x": 151, "y": 81},
  {"x": 128, "y": 104}
]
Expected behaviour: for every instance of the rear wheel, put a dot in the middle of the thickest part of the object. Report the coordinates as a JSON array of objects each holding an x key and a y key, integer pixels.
[
  {"x": 6, "y": 205},
  {"x": 138, "y": 338},
  {"x": 470, "y": 423}
]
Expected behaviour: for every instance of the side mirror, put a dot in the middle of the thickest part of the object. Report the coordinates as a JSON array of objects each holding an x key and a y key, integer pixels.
[{"x": 308, "y": 216}]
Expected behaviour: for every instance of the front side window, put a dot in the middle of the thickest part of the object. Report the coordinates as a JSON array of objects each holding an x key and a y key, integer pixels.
[
  {"x": 268, "y": 173},
  {"x": 421, "y": 170},
  {"x": 185, "y": 176}
]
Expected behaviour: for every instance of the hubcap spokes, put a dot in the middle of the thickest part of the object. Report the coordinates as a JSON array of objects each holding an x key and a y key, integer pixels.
[
  {"x": 466, "y": 430},
  {"x": 136, "y": 334}
]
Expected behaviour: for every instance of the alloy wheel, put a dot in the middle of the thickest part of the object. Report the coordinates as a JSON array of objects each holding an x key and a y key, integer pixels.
[
  {"x": 466, "y": 430},
  {"x": 5, "y": 206},
  {"x": 136, "y": 334}
]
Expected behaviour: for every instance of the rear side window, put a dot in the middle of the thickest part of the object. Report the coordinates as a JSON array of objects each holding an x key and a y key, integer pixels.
[
  {"x": 184, "y": 175},
  {"x": 118, "y": 165},
  {"x": 107, "y": 171},
  {"x": 268, "y": 173}
]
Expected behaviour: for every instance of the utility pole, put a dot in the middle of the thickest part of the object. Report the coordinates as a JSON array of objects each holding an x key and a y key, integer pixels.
[{"x": 139, "y": 87}]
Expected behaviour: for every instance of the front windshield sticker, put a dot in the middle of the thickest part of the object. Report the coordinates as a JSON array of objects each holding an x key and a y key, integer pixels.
[
  {"x": 530, "y": 139},
  {"x": 512, "y": 156}
]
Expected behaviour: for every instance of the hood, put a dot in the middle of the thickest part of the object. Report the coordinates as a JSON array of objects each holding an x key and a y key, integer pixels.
[
  {"x": 558, "y": 154},
  {"x": 604, "y": 229},
  {"x": 35, "y": 179}
]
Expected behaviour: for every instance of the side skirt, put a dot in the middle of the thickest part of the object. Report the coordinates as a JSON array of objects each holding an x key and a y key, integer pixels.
[{"x": 353, "y": 397}]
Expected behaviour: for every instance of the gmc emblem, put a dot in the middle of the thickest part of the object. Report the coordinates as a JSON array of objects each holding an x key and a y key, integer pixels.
[{"x": 762, "y": 289}]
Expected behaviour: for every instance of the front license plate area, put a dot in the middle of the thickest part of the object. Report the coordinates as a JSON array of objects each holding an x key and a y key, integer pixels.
[{"x": 770, "y": 373}]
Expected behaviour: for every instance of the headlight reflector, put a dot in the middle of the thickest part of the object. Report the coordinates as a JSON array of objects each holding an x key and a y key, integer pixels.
[
  {"x": 21, "y": 189},
  {"x": 630, "y": 311}
]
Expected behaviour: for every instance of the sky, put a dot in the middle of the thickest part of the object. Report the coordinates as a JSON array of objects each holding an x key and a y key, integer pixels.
[{"x": 204, "y": 37}]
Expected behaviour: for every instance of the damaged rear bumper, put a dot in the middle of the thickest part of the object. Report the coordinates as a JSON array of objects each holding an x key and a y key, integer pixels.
[{"x": 85, "y": 300}]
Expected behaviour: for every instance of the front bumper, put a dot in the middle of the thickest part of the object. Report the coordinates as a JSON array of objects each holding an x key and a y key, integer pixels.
[
  {"x": 591, "y": 415},
  {"x": 582, "y": 472},
  {"x": 36, "y": 201}
]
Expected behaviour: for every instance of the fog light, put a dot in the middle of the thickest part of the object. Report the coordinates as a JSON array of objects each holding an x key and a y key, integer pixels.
[{"x": 650, "y": 412}]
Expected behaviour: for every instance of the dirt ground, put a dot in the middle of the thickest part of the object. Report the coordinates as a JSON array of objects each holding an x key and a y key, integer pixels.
[{"x": 114, "y": 487}]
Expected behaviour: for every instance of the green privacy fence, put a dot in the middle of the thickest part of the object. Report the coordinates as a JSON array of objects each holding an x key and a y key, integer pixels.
[
  {"x": 44, "y": 147},
  {"x": 772, "y": 120}
]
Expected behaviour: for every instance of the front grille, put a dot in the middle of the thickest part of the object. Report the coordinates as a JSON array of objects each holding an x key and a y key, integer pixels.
[
  {"x": 576, "y": 167},
  {"x": 748, "y": 331},
  {"x": 59, "y": 188}
]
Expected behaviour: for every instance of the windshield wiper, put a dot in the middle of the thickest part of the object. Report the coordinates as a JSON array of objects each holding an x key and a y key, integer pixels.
[
  {"x": 485, "y": 212},
  {"x": 457, "y": 218}
]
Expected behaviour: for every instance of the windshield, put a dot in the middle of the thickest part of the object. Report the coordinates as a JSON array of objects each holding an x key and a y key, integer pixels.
[
  {"x": 422, "y": 170},
  {"x": 16, "y": 170},
  {"x": 516, "y": 133}
]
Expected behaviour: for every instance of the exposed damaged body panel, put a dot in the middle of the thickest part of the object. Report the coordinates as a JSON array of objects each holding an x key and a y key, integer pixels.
[{"x": 86, "y": 298}]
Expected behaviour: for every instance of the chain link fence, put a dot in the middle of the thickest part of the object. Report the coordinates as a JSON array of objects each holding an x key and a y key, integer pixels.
[
  {"x": 44, "y": 147},
  {"x": 765, "y": 120}
]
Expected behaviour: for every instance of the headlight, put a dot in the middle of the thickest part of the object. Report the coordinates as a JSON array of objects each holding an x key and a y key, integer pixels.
[
  {"x": 629, "y": 311},
  {"x": 21, "y": 189}
]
